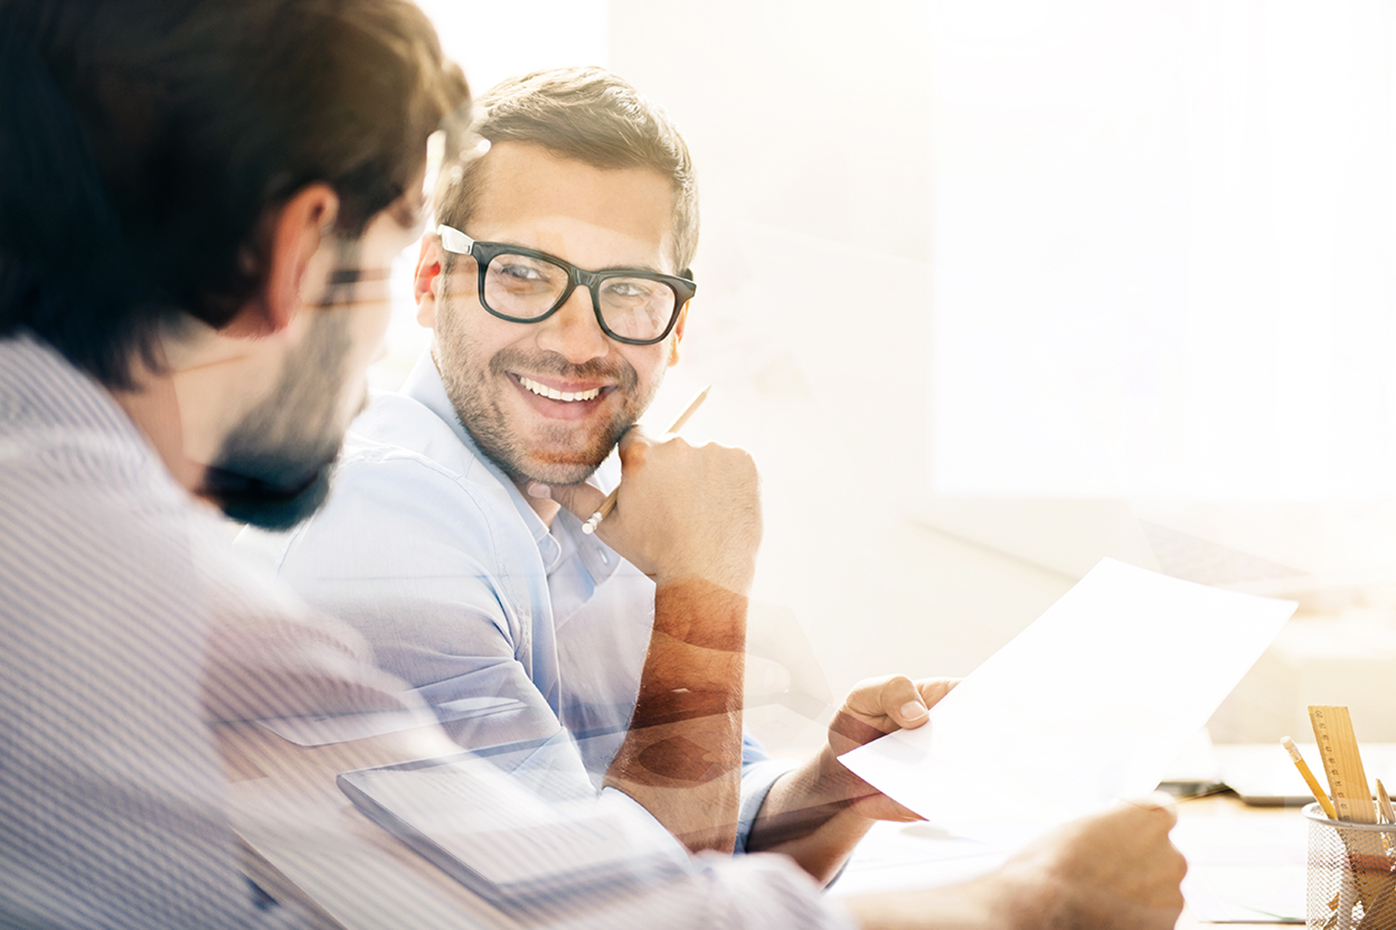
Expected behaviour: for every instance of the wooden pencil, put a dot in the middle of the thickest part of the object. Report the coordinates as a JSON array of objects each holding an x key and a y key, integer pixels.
[{"x": 1320, "y": 795}]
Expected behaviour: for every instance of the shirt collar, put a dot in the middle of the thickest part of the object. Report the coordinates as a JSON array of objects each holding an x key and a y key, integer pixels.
[{"x": 424, "y": 385}]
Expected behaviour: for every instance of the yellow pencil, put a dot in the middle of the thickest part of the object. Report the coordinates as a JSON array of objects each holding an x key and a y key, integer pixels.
[
  {"x": 1319, "y": 794},
  {"x": 1384, "y": 803},
  {"x": 609, "y": 503}
]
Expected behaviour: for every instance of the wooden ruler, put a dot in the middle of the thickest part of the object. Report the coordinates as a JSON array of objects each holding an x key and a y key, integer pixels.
[
  {"x": 1347, "y": 782},
  {"x": 1342, "y": 763}
]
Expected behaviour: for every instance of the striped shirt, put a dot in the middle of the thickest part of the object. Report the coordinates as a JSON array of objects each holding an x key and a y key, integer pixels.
[{"x": 127, "y": 626}]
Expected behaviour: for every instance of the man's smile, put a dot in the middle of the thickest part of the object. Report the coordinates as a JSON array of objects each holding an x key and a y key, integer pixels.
[
  {"x": 576, "y": 401},
  {"x": 553, "y": 393}
]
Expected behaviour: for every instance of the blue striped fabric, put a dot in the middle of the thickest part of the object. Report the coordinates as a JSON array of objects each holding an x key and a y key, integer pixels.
[
  {"x": 110, "y": 791},
  {"x": 127, "y": 624}
]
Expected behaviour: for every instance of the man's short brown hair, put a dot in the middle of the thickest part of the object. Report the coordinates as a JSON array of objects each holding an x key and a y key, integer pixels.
[{"x": 587, "y": 114}]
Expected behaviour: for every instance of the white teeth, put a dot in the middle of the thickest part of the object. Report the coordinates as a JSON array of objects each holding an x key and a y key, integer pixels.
[{"x": 542, "y": 390}]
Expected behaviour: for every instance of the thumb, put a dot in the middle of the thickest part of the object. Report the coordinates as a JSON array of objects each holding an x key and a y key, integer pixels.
[{"x": 580, "y": 499}]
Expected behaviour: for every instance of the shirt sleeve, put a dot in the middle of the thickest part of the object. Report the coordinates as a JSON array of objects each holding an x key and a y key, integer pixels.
[{"x": 759, "y": 773}]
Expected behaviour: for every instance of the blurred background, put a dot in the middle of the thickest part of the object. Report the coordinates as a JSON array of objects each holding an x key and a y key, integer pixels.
[{"x": 992, "y": 289}]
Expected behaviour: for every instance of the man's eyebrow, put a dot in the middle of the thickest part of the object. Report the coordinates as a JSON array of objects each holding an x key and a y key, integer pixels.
[
  {"x": 641, "y": 266},
  {"x": 647, "y": 268}
]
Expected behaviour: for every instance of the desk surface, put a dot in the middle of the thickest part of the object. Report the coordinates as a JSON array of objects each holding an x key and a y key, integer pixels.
[{"x": 304, "y": 842}]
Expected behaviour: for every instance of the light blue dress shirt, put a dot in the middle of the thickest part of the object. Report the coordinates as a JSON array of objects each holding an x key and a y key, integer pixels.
[{"x": 529, "y": 642}]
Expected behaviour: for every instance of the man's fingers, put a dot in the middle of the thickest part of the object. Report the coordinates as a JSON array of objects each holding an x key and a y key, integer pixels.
[
  {"x": 906, "y": 702},
  {"x": 895, "y": 697},
  {"x": 933, "y": 689},
  {"x": 581, "y": 499},
  {"x": 634, "y": 438}
]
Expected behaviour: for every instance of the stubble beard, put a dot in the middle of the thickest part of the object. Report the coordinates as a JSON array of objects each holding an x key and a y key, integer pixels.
[
  {"x": 557, "y": 453},
  {"x": 273, "y": 468}
]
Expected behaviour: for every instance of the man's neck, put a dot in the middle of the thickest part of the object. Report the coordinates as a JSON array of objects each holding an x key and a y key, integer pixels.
[{"x": 154, "y": 409}]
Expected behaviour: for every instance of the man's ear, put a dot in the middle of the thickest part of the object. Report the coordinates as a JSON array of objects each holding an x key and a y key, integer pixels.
[
  {"x": 426, "y": 281},
  {"x": 679, "y": 325},
  {"x": 295, "y": 236}
]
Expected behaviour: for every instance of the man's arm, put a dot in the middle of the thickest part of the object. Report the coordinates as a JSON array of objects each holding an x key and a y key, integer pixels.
[{"x": 690, "y": 518}]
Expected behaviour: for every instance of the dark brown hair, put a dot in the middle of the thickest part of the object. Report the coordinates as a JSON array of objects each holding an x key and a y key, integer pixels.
[{"x": 144, "y": 143}]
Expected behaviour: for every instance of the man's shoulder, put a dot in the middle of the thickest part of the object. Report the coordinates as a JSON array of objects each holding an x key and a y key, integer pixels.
[
  {"x": 400, "y": 449},
  {"x": 398, "y": 427},
  {"x": 61, "y": 428}
]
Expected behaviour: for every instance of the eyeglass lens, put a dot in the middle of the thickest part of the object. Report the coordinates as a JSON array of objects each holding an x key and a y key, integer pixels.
[{"x": 525, "y": 287}]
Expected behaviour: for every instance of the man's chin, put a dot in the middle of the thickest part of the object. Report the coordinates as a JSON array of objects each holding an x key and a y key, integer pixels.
[
  {"x": 560, "y": 475},
  {"x": 265, "y": 504},
  {"x": 557, "y": 464}
]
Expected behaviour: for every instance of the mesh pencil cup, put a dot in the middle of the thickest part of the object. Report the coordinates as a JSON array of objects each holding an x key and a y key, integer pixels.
[{"x": 1351, "y": 874}]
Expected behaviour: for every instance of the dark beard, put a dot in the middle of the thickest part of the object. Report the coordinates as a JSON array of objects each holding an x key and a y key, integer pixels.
[
  {"x": 273, "y": 468},
  {"x": 265, "y": 503}
]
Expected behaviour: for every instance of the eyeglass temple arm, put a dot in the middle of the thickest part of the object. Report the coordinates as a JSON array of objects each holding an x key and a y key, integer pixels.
[{"x": 453, "y": 240}]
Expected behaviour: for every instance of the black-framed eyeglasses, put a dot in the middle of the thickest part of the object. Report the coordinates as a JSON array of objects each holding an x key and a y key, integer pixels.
[{"x": 521, "y": 285}]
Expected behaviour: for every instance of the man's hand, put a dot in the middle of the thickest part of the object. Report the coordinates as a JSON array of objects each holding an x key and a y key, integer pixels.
[
  {"x": 818, "y": 812},
  {"x": 1117, "y": 869},
  {"x": 1113, "y": 871},
  {"x": 682, "y": 511},
  {"x": 874, "y": 708}
]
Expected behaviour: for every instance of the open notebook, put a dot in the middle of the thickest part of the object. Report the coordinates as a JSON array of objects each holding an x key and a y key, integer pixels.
[{"x": 505, "y": 843}]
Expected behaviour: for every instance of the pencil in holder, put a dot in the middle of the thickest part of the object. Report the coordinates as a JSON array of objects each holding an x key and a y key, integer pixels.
[{"x": 1351, "y": 874}]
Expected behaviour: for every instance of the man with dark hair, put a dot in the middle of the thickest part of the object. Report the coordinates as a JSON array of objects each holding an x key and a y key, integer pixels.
[{"x": 198, "y": 202}]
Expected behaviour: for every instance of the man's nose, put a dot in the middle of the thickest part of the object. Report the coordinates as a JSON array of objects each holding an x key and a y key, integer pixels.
[{"x": 573, "y": 331}]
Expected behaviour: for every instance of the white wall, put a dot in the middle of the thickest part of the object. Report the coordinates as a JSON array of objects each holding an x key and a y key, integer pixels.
[
  {"x": 1135, "y": 247},
  {"x": 1163, "y": 249}
]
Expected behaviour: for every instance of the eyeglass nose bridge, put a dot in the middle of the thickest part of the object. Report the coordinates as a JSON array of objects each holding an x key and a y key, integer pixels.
[{"x": 587, "y": 281}]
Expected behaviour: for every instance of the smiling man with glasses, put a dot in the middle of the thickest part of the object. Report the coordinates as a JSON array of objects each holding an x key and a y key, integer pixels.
[
  {"x": 556, "y": 284},
  {"x": 557, "y": 288}
]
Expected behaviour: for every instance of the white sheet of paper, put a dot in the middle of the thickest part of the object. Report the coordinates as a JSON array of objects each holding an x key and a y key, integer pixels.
[{"x": 1089, "y": 704}]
